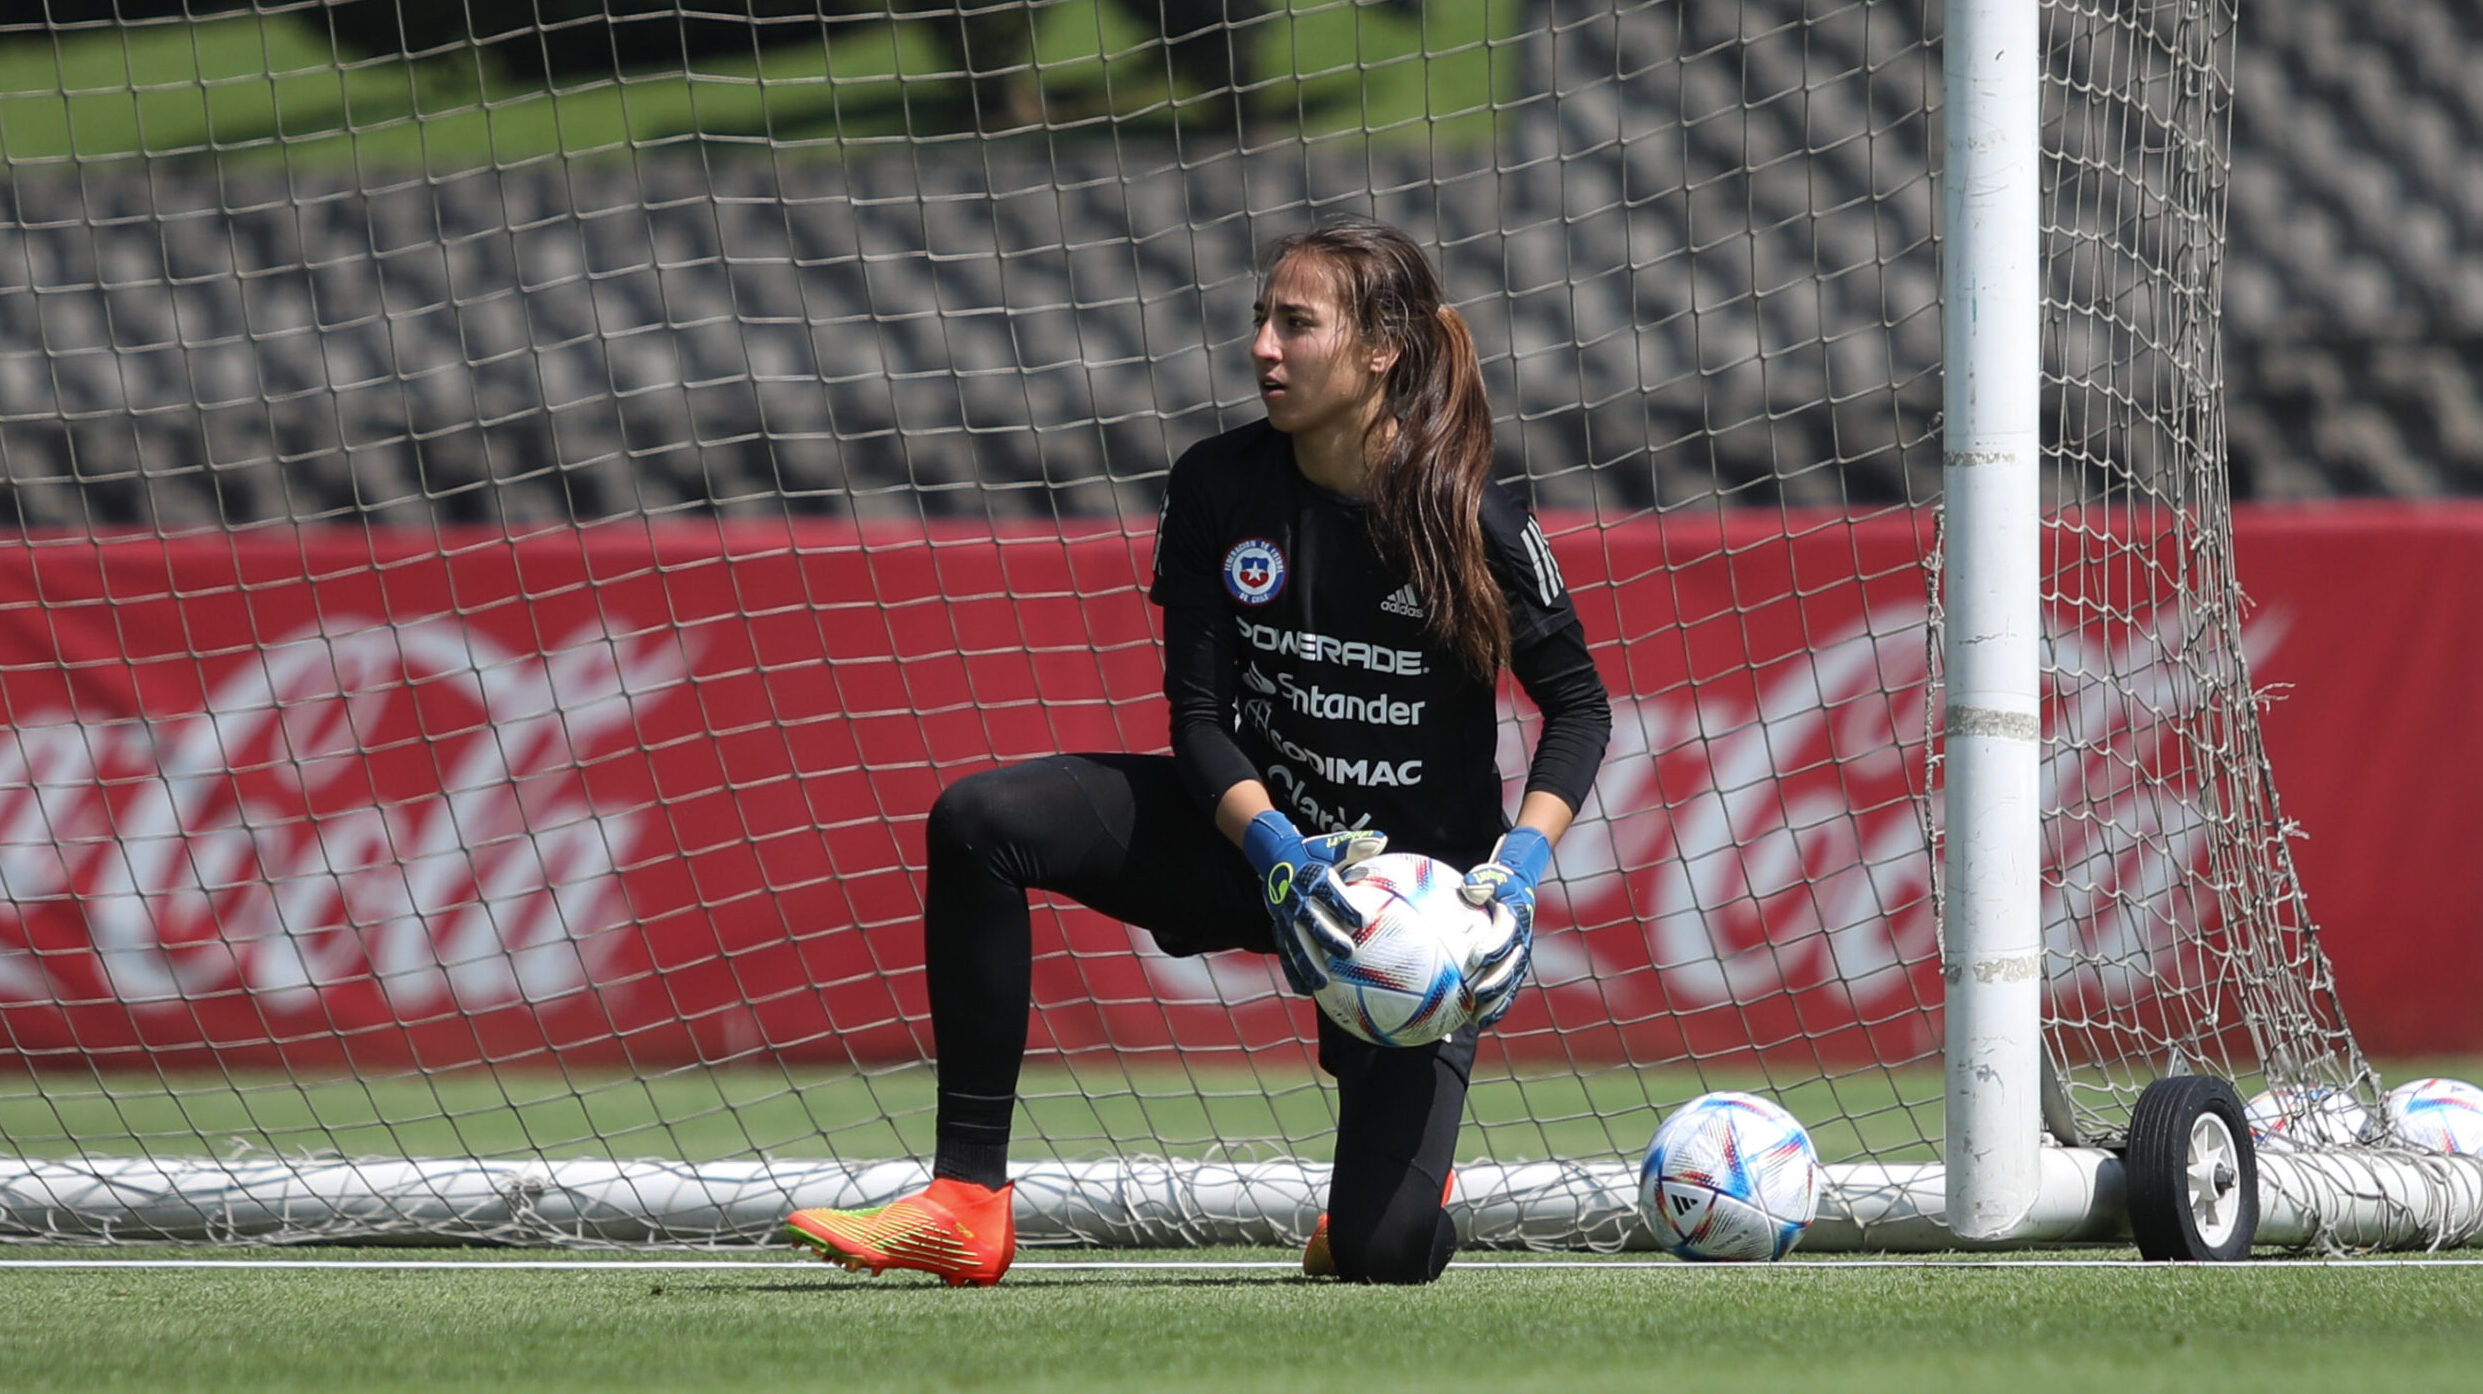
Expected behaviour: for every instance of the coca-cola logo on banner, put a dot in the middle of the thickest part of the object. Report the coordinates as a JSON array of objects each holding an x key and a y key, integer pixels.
[
  {"x": 393, "y": 816},
  {"x": 1781, "y": 845},
  {"x": 1767, "y": 840}
]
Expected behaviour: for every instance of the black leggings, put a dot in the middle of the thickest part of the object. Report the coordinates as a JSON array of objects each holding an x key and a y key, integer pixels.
[{"x": 1118, "y": 833}]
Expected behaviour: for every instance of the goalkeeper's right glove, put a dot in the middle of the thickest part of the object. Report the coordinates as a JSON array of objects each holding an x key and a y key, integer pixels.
[
  {"x": 1313, "y": 920},
  {"x": 1505, "y": 886}
]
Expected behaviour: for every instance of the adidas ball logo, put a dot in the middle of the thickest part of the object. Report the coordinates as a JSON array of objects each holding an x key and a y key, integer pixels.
[{"x": 1403, "y": 603}]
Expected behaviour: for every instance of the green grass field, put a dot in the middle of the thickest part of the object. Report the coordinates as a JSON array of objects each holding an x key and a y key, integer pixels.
[
  {"x": 1504, "y": 1325},
  {"x": 269, "y": 92},
  {"x": 768, "y": 1320}
]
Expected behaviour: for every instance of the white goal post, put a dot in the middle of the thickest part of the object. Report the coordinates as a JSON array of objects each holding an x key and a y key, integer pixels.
[
  {"x": 1991, "y": 333},
  {"x": 510, "y": 526}
]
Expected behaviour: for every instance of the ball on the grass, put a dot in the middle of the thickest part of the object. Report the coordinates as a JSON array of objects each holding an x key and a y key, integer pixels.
[
  {"x": 2298, "y": 1119},
  {"x": 1730, "y": 1177},
  {"x": 2438, "y": 1115},
  {"x": 1405, "y": 983}
]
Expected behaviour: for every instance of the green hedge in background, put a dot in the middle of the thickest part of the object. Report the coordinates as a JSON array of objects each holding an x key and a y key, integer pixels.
[{"x": 439, "y": 84}]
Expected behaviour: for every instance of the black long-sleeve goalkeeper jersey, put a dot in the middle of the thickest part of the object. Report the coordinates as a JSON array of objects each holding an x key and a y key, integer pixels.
[{"x": 1295, "y": 655}]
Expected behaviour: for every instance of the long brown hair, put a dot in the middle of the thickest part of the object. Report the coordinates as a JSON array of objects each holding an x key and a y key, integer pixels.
[{"x": 1426, "y": 486}]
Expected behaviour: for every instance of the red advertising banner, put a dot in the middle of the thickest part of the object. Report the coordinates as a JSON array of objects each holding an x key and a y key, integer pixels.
[
  {"x": 2367, "y": 635},
  {"x": 655, "y": 794}
]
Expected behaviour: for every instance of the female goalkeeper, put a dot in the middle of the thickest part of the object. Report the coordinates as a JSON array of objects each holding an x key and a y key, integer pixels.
[{"x": 1342, "y": 586}]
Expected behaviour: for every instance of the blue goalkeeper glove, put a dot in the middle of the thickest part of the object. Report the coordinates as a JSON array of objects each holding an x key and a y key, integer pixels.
[
  {"x": 1505, "y": 885},
  {"x": 1305, "y": 898}
]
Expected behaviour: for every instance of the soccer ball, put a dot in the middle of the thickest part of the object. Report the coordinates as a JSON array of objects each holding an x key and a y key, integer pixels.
[
  {"x": 1406, "y": 982},
  {"x": 2286, "y": 1120},
  {"x": 2438, "y": 1115},
  {"x": 1731, "y": 1177}
]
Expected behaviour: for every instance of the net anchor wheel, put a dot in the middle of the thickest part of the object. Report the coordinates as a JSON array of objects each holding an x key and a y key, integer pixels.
[{"x": 2191, "y": 1173}]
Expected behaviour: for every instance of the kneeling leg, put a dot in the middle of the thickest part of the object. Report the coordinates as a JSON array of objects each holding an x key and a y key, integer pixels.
[{"x": 1396, "y": 1139}]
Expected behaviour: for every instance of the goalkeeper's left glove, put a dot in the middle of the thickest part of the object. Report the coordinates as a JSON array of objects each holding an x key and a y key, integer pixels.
[{"x": 1505, "y": 885}]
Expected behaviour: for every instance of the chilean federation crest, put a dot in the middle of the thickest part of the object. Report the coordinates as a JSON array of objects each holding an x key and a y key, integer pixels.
[{"x": 1254, "y": 571}]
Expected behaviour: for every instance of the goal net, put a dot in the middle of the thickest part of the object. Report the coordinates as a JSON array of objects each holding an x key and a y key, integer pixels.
[{"x": 512, "y": 520}]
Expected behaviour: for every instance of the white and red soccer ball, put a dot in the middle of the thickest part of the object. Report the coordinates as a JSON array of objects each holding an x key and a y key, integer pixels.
[
  {"x": 2293, "y": 1119},
  {"x": 2437, "y": 1115},
  {"x": 1405, "y": 983},
  {"x": 1730, "y": 1177}
]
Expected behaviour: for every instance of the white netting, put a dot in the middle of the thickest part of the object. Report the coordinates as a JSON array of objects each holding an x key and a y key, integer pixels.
[
  {"x": 508, "y": 542},
  {"x": 2178, "y": 938}
]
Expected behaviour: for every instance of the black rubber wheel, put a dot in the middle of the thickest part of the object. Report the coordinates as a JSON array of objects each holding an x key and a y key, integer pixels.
[{"x": 2190, "y": 1173}]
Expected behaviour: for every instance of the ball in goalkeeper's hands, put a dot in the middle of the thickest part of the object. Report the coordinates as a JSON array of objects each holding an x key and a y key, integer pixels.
[{"x": 1405, "y": 983}]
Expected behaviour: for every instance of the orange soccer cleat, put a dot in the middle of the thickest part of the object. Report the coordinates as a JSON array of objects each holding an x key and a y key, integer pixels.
[
  {"x": 1319, "y": 1262},
  {"x": 955, "y": 1229}
]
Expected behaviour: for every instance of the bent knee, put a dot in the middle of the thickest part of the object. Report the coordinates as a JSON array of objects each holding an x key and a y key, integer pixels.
[{"x": 980, "y": 812}]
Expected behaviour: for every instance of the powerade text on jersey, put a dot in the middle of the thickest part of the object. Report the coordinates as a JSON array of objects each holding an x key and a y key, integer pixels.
[{"x": 1350, "y": 710}]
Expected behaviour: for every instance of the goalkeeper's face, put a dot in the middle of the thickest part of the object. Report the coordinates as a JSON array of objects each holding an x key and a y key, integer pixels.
[{"x": 1315, "y": 374}]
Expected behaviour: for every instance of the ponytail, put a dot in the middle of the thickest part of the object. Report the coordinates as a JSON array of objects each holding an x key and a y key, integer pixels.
[
  {"x": 1427, "y": 490},
  {"x": 1426, "y": 484}
]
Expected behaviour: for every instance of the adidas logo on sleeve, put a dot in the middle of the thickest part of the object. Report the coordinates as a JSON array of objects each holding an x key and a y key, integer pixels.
[{"x": 1402, "y": 602}]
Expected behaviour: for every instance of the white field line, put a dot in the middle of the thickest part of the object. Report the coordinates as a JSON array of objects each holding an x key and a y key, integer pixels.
[{"x": 620, "y": 1265}]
